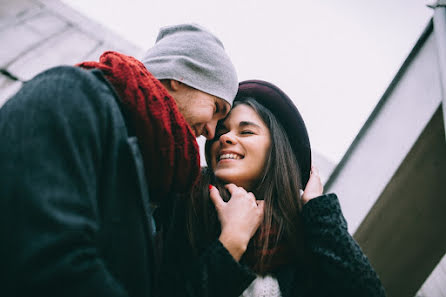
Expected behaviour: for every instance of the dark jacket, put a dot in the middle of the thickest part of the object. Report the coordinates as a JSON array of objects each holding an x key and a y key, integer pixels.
[
  {"x": 339, "y": 267},
  {"x": 74, "y": 203}
]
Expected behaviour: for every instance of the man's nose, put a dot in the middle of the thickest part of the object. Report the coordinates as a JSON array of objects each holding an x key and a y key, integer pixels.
[{"x": 209, "y": 130}]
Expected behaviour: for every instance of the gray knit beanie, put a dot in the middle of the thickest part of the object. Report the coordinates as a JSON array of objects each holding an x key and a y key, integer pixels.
[{"x": 192, "y": 55}]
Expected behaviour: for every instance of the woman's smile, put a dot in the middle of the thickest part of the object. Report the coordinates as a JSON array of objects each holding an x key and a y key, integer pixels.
[{"x": 239, "y": 154}]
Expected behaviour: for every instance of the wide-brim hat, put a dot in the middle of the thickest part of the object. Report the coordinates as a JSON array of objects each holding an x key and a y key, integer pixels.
[{"x": 287, "y": 114}]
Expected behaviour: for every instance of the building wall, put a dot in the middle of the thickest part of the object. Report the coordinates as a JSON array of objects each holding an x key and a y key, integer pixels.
[
  {"x": 391, "y": 180},
  {"x": 435, "y": 284},
  {"x": 36, "y": 35}
]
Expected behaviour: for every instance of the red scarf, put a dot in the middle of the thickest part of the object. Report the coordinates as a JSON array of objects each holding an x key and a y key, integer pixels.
[
  {"x": 168, "y": 145},
  {"x": 273, "y": 257}
]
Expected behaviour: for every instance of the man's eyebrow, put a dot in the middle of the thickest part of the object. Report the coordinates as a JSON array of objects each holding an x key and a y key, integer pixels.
[{"x": 247, "y": 123}]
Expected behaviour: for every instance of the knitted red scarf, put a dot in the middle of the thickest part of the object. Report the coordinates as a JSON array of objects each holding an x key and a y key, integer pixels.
[
  {"x": 167, "y": 143},
  {"x": 263, "y": 261}
]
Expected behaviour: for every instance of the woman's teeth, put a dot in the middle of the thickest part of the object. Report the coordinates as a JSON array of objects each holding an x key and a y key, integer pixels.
[{"x": 230, "y": 156}]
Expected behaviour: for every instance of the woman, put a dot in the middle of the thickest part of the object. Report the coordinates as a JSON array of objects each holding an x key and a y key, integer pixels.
[{"x": 251, "y": 233}]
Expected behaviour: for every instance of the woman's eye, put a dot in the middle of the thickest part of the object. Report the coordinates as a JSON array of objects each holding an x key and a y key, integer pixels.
[{"x": 246, "y": 132}]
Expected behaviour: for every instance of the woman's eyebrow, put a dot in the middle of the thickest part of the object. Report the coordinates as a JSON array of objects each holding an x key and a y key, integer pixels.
[{"x": 247, "y": 123}]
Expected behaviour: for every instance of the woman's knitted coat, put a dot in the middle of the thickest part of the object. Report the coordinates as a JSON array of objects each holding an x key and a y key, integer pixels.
[{"x": 340, "y": 268}]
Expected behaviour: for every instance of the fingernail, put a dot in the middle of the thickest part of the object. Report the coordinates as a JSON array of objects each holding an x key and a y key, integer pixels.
[{"x": 210, "y": 187}]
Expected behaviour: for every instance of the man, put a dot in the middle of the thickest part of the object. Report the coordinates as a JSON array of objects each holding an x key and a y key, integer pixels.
[{"x": 87, "y": 153}]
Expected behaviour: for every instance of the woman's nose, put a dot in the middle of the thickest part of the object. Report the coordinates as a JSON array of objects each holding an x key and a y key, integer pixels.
[{"x": 228, "y": 138}]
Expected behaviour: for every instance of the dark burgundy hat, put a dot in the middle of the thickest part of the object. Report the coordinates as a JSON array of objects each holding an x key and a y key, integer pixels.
[{"x": 288, "y": 116}]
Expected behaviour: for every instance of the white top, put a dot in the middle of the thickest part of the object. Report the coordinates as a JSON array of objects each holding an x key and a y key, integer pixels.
[{"x": 263, "y": 286}]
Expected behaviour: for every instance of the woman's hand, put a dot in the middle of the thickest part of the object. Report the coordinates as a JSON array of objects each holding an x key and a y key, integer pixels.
[
  {"x": 240, "y": 218},
  {"x": 314, "y": 186}
]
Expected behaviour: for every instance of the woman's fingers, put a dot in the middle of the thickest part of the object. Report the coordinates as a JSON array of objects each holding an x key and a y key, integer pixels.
[
  {"x": 261, "y": 207},
  {"x": 250, "y": 196},
  {"x": 233, "y": 189},
  {"x": 215, "y": 197},
  {"x": 239, "y": 192},
  {"x": 314, "y": 170},
  {"x": 239, "y": 218},
  {"x": 314, "y": 187}
]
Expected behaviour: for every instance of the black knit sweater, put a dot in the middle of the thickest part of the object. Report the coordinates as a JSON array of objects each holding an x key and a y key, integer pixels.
[{"x": 339, "y": 267}]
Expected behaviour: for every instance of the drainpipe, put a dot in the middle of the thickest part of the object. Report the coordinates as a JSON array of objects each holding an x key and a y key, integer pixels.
[{"x": 439, "y": 21}]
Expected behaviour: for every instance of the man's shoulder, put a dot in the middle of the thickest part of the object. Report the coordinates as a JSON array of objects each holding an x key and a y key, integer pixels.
[
  {"x": 73, "y": 75},
  {"x": 65, "y": 86},
  {"x": 67, "y": 92}
]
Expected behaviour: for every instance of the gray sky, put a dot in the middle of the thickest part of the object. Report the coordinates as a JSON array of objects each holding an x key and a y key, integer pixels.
[{"x": 334, "y": 58}]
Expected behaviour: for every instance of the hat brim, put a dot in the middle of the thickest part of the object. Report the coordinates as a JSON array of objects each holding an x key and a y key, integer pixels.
[{"x": 286, "y": 112}]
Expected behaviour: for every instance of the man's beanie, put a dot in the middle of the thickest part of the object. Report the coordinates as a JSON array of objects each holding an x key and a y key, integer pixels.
[{"x": 192, "y": 55}]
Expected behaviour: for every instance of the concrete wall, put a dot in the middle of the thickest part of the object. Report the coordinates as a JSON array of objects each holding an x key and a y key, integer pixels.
[
  {"x": 36, "y": 35},
  {"x": 391, "y": 181},
  {"x": 435, "y": 284}
]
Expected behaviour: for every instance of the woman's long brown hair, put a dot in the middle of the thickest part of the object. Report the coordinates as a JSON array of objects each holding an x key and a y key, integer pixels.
[{"x": 278, "y": 187}]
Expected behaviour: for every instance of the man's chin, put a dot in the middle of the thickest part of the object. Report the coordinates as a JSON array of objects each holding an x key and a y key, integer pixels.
[{"x": 195, "y": 132}]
